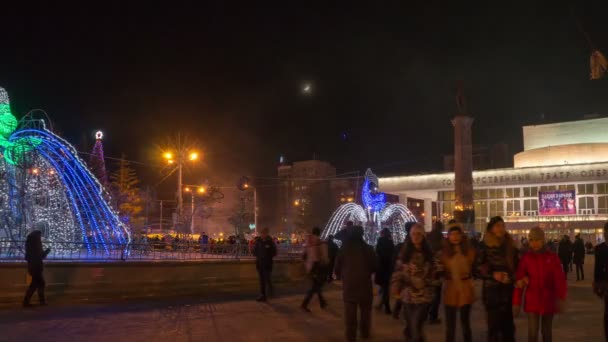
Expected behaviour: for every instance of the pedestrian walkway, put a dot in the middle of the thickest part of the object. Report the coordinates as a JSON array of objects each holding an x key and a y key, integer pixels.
[{"x": 243, "y": 319}]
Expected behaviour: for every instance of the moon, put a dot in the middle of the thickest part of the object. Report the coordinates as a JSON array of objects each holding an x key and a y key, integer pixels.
[{"x": 307, "y": 88}]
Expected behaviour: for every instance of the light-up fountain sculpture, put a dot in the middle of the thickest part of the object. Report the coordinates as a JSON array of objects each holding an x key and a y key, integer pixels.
[
  {"x": 44, "y": 185},
  {"x": 374, "y": 215}
]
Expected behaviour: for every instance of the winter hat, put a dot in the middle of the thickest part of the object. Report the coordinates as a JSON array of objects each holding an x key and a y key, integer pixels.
[
  {"x": 454, "y": 227},
  {"x": 536, "y": 233}
]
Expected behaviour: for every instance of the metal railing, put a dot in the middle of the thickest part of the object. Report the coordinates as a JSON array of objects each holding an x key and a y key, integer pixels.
[{"x": 144, "y": 251}]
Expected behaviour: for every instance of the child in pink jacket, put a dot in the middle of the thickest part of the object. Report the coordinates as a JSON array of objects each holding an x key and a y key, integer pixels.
[{"x": 540, "y": 273}]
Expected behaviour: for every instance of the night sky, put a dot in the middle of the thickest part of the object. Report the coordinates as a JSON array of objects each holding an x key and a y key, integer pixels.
[{"x": 383, "y": 78}]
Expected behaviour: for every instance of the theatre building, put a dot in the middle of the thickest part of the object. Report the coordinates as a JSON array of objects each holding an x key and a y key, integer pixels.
[{"x": 559, "y": 182}]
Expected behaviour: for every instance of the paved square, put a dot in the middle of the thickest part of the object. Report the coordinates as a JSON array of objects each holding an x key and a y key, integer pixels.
[{"x": 242, "y": 319}]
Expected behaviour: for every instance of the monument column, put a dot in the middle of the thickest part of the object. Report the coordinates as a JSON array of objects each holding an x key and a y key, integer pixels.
[{"x": 464, "y": 210}]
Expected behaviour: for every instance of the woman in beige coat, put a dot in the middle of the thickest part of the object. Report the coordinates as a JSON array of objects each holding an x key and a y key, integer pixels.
[{"x": 457, "y": 258}]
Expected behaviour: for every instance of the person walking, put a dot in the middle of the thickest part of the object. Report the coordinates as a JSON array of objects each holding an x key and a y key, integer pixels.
[
  {"x": 355, "y": 264},
  {"x": 398, "y": 306},
  {"x": 578, "y": 257},
  {"x": 316, "y": 266},
  {"x": 385, "y": 250},
  {"x": 495, "y": 264},
  {"x": 332, "y": 252},
  {"x": 600, "y": 275},
  {"x": 416, "y": 280},
  {"x": 436, "y": 242},
  {"x": 264, "y": 251},
  {"x": 34, "y": 254},
  {"x": 540, "y": 273},
  {"x": 457, "y": 259},
  {"x": 564, "y": 250}
]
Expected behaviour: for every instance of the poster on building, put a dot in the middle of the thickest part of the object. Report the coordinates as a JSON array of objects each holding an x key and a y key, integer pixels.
[{"x": 556, "y": 203}]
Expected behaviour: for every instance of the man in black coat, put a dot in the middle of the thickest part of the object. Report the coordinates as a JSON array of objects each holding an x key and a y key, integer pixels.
[
  {"x": 578, "y": 255},
  {"x": 435, "y": 239},
  {"x": 332, "y": 253},
  {"x": 600, "y": 276},
  {"x": 264, "y": 250},
  {"x": 385, "y": 250},
  {"x": 564, "y": 251},
  {"x": 34, "y": 256},
  {"x": 355, "y": 264}
]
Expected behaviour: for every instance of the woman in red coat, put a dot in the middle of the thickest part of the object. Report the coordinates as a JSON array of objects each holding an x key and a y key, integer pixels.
[{"x": 540, "y": 272}]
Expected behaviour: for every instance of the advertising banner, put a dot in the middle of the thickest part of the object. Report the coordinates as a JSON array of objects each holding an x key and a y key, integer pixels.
[{"x": 556, "y": 203}]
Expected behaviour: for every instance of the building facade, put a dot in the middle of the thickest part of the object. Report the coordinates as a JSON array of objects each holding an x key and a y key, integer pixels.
[
  {"x": 577, "y": 166},
  {"x": 308, "y": 193}
]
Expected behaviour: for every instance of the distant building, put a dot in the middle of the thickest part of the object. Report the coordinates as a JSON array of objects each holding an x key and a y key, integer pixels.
[
  {"x": 308, "y": 193},
  {"x": 559, "y": 182}
]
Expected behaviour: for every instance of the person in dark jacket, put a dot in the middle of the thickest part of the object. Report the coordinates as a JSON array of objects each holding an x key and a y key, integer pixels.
[
  {"x": 600, "y": 276},
  {"x": 398, "y": 307},
  {"x": 34, "y": 254},
  {"x": 332, "y": 252},
  {"x": 564, "y": 251},
  {"x": 264, "y": 250},
  {"x": 385, "y": 250},
  {"x": 436, "y": 241},
  {"x": 496, "y": 263},
  {"x": 578, "y": 257},
  {"x": 355, "y": 264}
]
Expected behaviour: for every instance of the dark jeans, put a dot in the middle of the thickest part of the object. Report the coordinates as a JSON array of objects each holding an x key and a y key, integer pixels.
[
  {"x": 265, "y": 281},
  {"x": 415, "y": 315},
  {"x": 397, "y": 308},
  {"x": 385, "y": 298},
  {"x": 350, "y": 319},
  {"x": 465, "y": 323},
  {"x": 580, "y": 274},
  {"x": 37, "y": 284},
  {"x": 434, "y": 309},
  {"x": 566, "y": 269},
  {"x": 534, "y": 323},
  {"x": 500, "y": 323},
  {"x": 318, "y": 280}
]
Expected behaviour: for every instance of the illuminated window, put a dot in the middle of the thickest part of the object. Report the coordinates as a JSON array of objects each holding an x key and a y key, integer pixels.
[
  {"x": 548, "y": 188},
  {"x": 497, "y": 208},
  {"x": 531, "y": 204},
  {"x": 584, "y": 189},
  {"x": 602, "y": 205},
  {"x": 570, "y": 187},
  {"x": 586, "y": 205},
  {"x": 481, "y": 208},
  {"x": 513, "y": 192},
  {"x": 531, "y": 191},
  {"x": 480, "y": 194},
  {"x": 602, "y": 188},
  {"x": 513, "y": 208},
  {"x": 496, "y": 193}
]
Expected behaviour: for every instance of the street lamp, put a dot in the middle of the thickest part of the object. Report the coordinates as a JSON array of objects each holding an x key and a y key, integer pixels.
[
  {"x": 179, "y": 156},
  {"x": 244, "y": 184},
  {"x": 200, "y": 190}
]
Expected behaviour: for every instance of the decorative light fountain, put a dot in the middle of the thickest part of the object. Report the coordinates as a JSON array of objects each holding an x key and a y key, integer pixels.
[
  {"x": 374, "y": 215},
  {"x": 44, "y": 185}
]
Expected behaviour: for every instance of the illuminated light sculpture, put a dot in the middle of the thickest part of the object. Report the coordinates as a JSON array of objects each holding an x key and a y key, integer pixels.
[
  {"x": 374, "y": 215},
  {"x": 46, "y": 186},
  {"x": 97, "y": 162}
]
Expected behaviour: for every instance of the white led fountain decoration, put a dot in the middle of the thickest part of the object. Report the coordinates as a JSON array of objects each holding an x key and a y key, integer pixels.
[{"x": 374, "y": 215}]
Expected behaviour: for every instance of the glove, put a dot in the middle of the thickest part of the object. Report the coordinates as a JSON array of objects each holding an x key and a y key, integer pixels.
[{"x": 515, "y": 309}]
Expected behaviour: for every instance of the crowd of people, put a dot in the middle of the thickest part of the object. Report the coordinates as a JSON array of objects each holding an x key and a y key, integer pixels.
[
  {"x": 423, "y": 271},
  {"x": 426, "y": 270}
]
